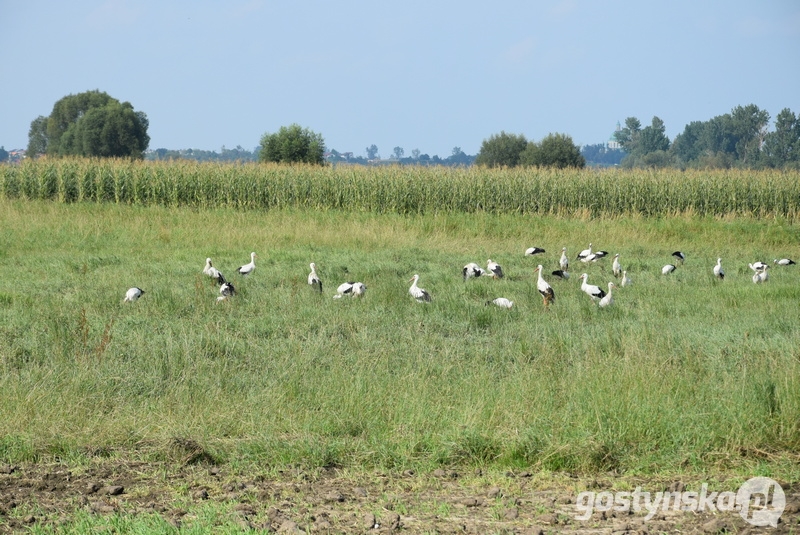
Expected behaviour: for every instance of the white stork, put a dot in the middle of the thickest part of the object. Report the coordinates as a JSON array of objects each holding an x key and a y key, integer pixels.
[
  {"x": 561, "y": 274},
  {"x": 418, "y": 293},
  {"x": 583, "y": 254},
  {"x": 679, "y": 256},
  {"x": 213, "y": 272},
  {"x": 472, "y": 270},
  {"x": 615, "y": 267},
  {"x": 548, "y": 295},
  {"x": 530, "y": 251},
  {"x": 784, "y": 262},
  {"x": 761, "y": 275},
  {"x": 350, "y": 288},
  {"x": 626, "y": 280},
  {"x": 608, "y": 300},
  {"x": 594, "y": 257},
  {"x": 595, "y": 292},
  {"x": 502, "y": 302},
  {"x": 248, "y": 268},
  {"x": 718, "y": 271},
  {"x": 757, "y": 266},
  {"x": 227, "y": 290},
  {"x": 208, "y": 267},
  {"x": 563, "y": 262},
  {"x": 133, "y": 294},
  {"x": 494, "y": 269},
  {"x": 669, "y": 268},
  {"x": 314, "y": 280}
]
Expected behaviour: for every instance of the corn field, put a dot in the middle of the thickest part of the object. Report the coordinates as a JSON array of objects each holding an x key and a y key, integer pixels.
[{"x": 406, "y": 190}]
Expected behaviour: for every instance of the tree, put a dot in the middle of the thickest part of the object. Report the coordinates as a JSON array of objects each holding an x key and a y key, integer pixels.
[
  {"x": 415, "y": 154},
  {"x": 555, "y": 150},
  {"x": 110, "y": 131},
  {"x": 653, "y": 138},
  {"x": 628, "y": 137},
  {"x": 398, "y": 153},
  {"x": 37, "y": 137},
  {"x": 749, "y": 127},
  {"x": 91, "y": 124},
  {"x": 501, "y": 150},
  {"x": 372, "y": 152},
  {"x": 687, "y": 146},
  {"x": 782, "y": 147},
  {"x": 293, "y": 144},
  {"x": 3, "y": 154}
]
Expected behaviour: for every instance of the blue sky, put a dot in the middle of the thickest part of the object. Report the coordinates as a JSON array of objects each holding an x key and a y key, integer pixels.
[{"x": 417, "y": 74}]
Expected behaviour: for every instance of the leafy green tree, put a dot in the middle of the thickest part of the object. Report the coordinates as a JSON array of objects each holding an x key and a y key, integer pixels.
[
  {"x": 749, "y": 127},
  {"x": 782, "y": 147},
  {"x": 555, "y": 150},
  {"x": 91, "y": 124},
  {"x": 113, "y": 130},
  {"x": 599, "y": 154},
  {"x": 653, "y": 138},
  {"x": 628, "y": 137},
  {"x": 37, "y": 137},
  {"x": 3, "y": 154},
  {"x": 687, "y": 146},
  {"x": 398, "y": 153},
  {"x": 372, "y": 152},
  {"x": 458, "y": 157},
  {"x": 501, "y": 150},
  {"x": 415, "y": 154},
  {"x": 293, "y": 144}
]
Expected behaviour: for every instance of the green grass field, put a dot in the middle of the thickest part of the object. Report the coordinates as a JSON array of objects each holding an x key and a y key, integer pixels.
[{"x": 682, "y": 372}]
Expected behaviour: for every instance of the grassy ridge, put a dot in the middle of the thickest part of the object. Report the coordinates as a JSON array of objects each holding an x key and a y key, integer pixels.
[
  {"x": 407, "y": 190},
  {"x": 682, "y": 371}
]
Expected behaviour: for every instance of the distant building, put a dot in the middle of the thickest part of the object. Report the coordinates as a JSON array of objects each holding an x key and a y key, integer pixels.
[{"x": 612, "y": 143}]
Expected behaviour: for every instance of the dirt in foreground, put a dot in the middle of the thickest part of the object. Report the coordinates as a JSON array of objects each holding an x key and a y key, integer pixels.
[{"x": 334, "y": 501}]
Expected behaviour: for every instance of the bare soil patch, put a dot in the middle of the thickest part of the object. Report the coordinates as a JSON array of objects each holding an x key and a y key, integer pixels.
[{"x": 338, "y": 501}]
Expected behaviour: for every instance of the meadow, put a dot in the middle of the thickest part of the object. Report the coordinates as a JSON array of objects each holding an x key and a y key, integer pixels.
[{"x": 683, "y": 373}]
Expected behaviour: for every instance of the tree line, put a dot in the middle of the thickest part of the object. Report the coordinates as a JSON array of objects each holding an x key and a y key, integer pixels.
[
  {"x": 736, "y": 139},
  {"x": 95, "y": 124}
]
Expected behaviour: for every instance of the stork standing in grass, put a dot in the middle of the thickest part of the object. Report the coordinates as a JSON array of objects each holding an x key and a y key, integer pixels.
[
  {"x": 213, "y": 272},
  {"x": 608, "y": 300},
  {"x": 420, "y": 294},
  {"x": 615, "y": 267},
  {"x": 679, "y": 256},
  {"x": 530, "y": 251},
  {"x": 548, "y": 295},
  {"x": 583, "y": 254},
  {"x": 595, "y": 292},
  {"x": 784, "y": 262},
  {"x": 502, "y": 302},
  {"x": 472, "y": 270},
  {"x": 352, "y": 289},
  {"x": 718, "y": 271},
  {"x": 226, "y": 291},
  {"x": 626, "y": 280},
  {"x": 563, "y": 262},
  {"x": 133, "y": 294},
  {"x": 757, "y": 266},
  {"x": 248, "y": 268},
  {"x": 494, "y": 269},
  {"x": 761, "y": 275},
  {"x": 313, "y": 279},
  {"x": 669, "y": 268}
]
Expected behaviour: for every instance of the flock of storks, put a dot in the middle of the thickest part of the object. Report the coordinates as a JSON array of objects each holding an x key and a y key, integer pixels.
[{"x": 494, "y": 270}]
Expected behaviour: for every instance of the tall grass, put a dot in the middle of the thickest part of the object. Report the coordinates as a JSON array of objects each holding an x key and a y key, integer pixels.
[
  {"x": 682, "y": 371},
  {"x": 406, "y": 190}
]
